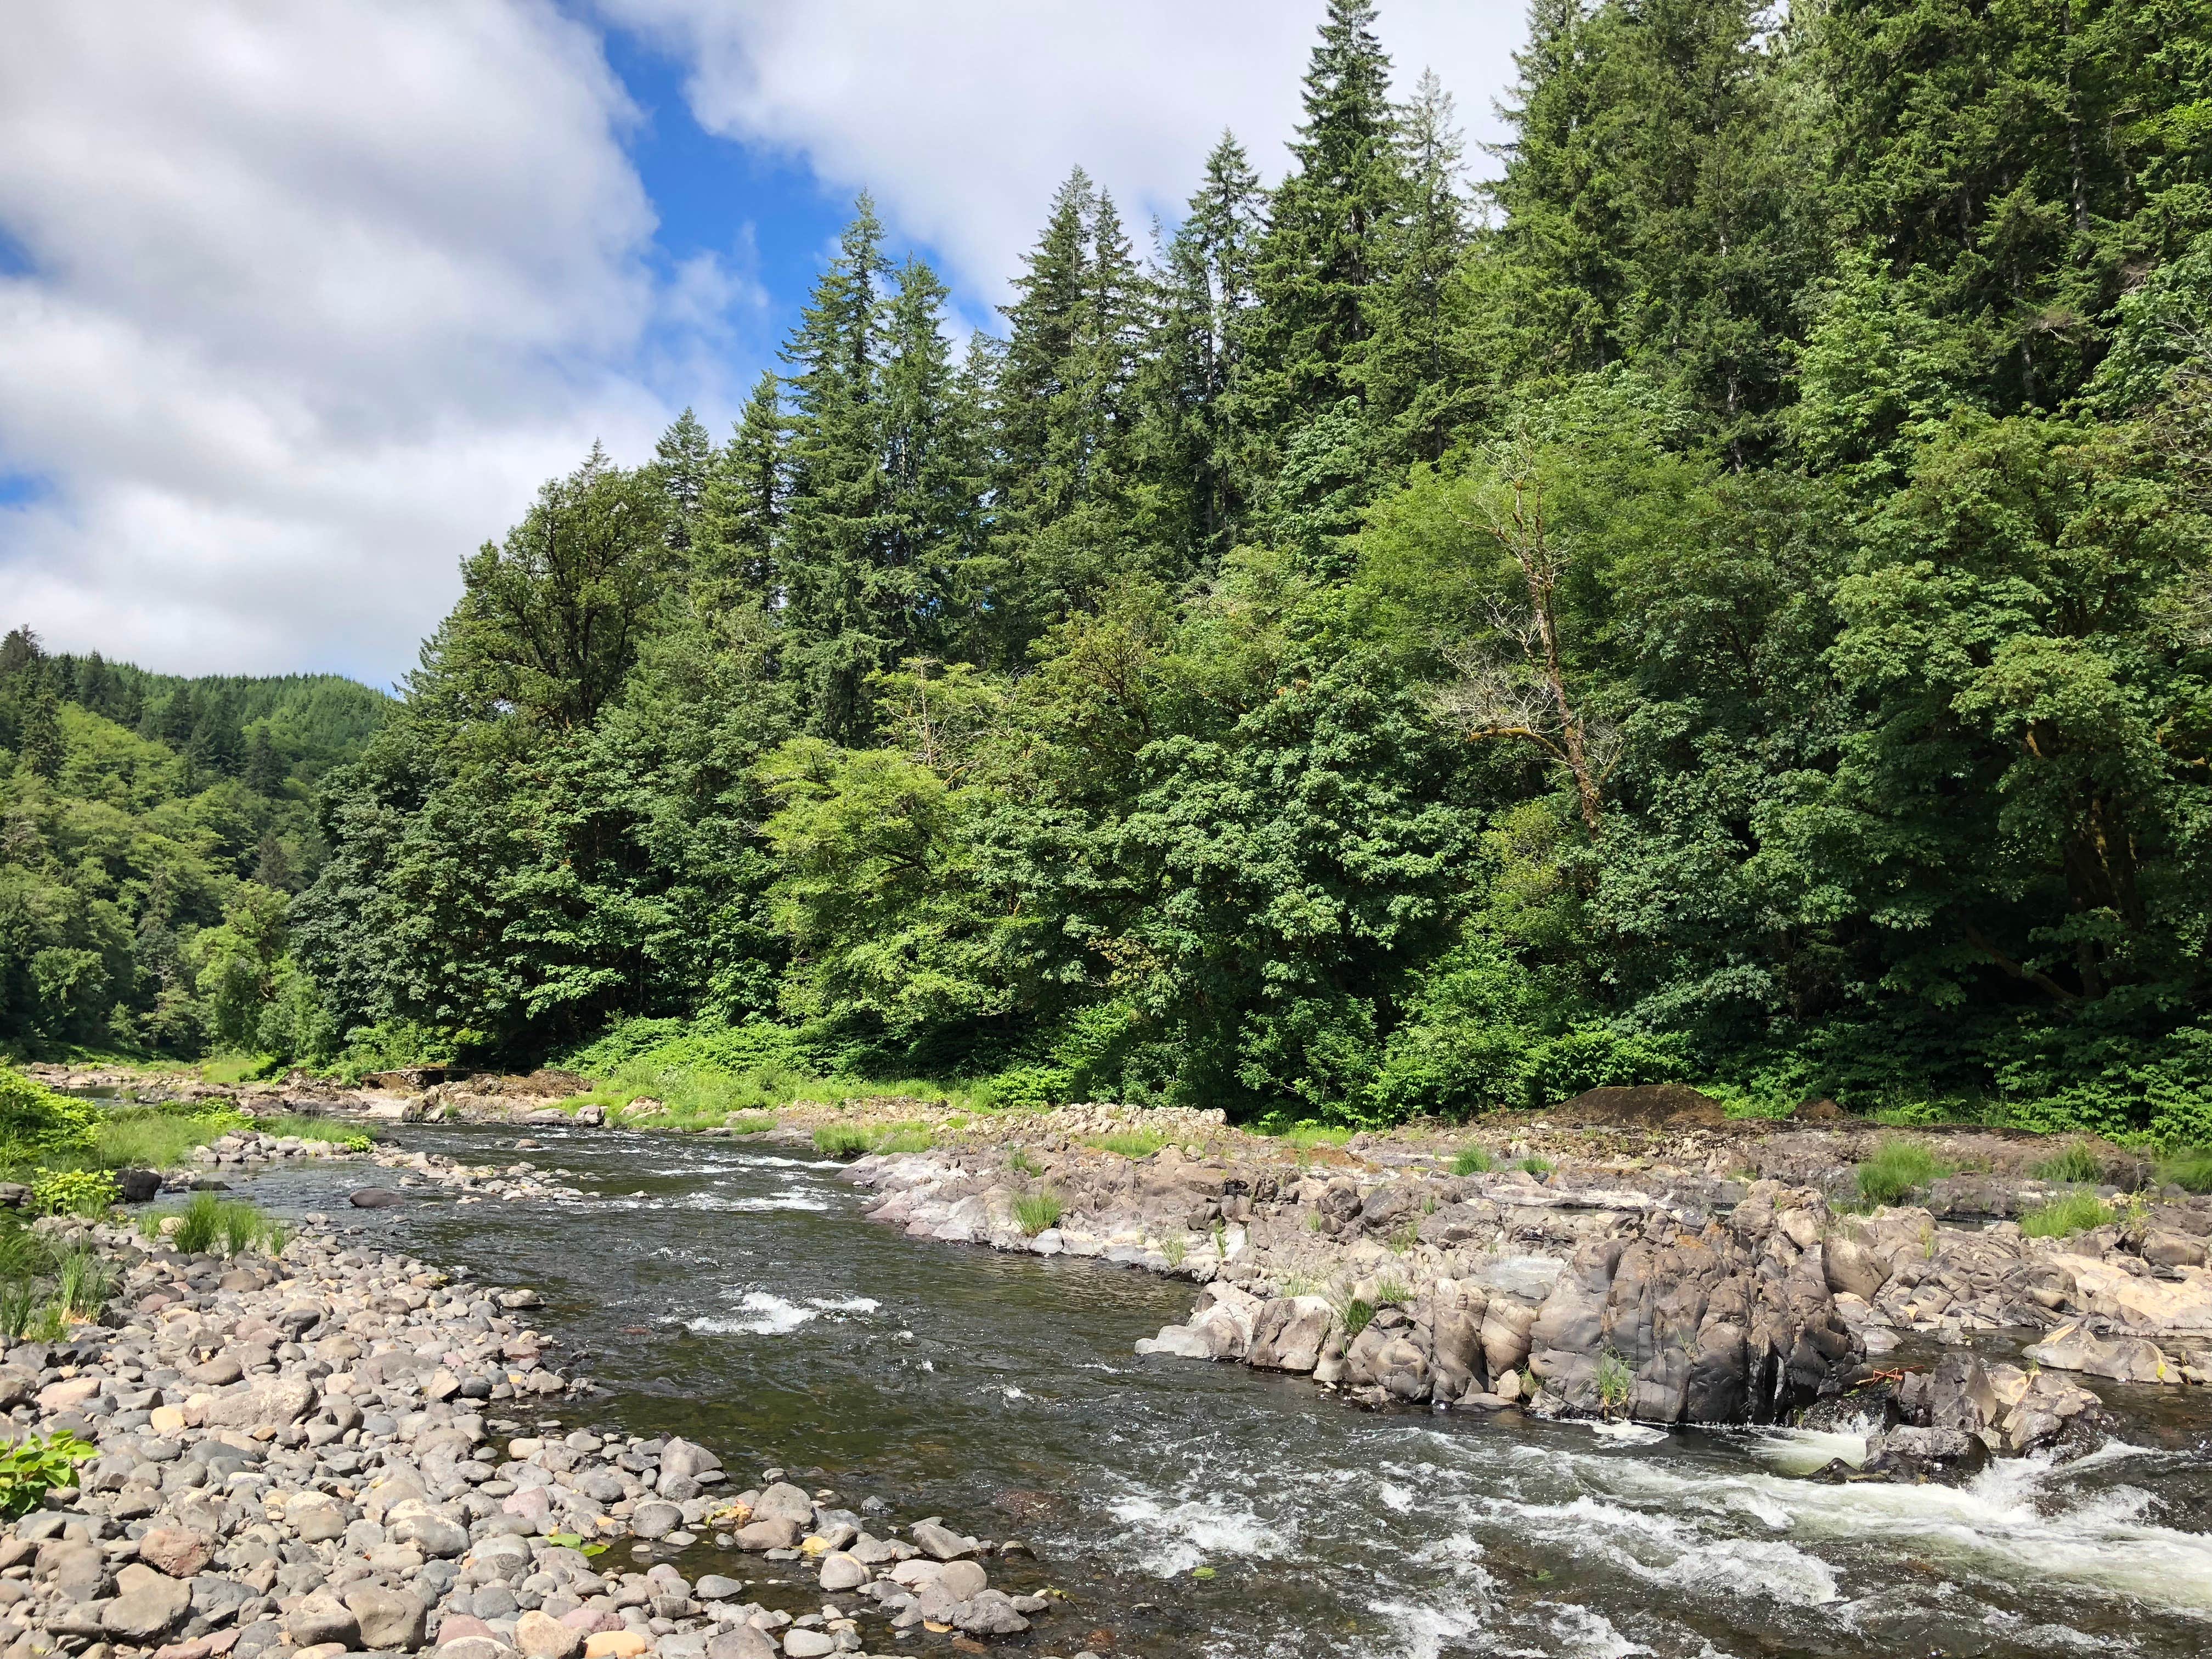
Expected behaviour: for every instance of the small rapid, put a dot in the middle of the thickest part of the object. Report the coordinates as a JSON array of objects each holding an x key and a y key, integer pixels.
[{"x": 738, "y": 1295}]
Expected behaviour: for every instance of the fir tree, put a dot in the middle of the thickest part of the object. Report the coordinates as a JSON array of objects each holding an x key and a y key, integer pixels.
[
  {"x": 745, "y": 500},
  {"x": 683, "y": 461}
]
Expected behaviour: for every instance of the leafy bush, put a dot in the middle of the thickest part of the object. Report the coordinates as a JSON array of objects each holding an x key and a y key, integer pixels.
[
  {"x": 1036, "y": 1211},
  {"x": 74, "y": 1192},
  {"x": 2076, "y": 1162},
  {"x": 36, "y": 1465},
  {"x": 2077, "y": 1213},
  {"x": 1472, "y": 1160},
  {"x": 1897, "y": 1168},
  {"x": 35, "y": 1121}
]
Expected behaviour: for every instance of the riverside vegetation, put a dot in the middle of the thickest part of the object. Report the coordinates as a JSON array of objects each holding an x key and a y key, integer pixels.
[{"x": 1724, "y": 599}]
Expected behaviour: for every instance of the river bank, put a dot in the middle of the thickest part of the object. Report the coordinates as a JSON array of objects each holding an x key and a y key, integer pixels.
[
  {"x": 731, "y": 1289},
  {"x": 311, "y": 1453}
]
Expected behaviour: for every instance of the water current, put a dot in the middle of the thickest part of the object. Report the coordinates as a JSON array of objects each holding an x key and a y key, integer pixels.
[{"x": 737, "y": 1295}]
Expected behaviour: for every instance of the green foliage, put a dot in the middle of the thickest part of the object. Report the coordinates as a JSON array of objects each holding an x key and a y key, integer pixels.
[
  {"x": 2062, "y": 1218},
  {"x": 74, "y": 1192},
  {"x": 344, "y": 1136},
  {"x": 34, "y": 1121},
  {"x": 84, "y": 1279},
  {"x": 1134, "y": 1144},
  {"x": 1036, "y": 1211},
  {"x": 199, "y": 1225},
  {"x": 840, "y": 1140},
  {"x": 1535, "y": 1164},
  {"x": 1357, "y": 1314},
  {"x": 2077, "y": 1161},
  {"x": 1472, "y": 1160},
  {"x": 37, "y": 1464},
  {"x": 1021, "y": 1163},
  {"x": 2191, "y": 1170},
  {"x": 1735, "y": 612},
  {"x": 1616, "y": 1383},
  {"x": 1898, "y": 1168}
]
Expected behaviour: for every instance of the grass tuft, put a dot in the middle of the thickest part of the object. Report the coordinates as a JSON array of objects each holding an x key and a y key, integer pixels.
[
  {"x": 2062, "y": 1218},
  {"x": 1535, "y": 1165},
  {"x": 840, "y": 1141},
  {"x": 1897, "y": 1168},
  {"x": 1473, "y": 1160},
  {"x": 1036, "y": 1211},
  {"x": 2075, "y": 1164},
  {"x": 1131, "y": 1144},
  {"x": 2190, "y": 1168}
]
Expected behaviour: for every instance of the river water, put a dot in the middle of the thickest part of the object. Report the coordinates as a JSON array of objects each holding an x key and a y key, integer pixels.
[{"x": 738, "y": 1296}]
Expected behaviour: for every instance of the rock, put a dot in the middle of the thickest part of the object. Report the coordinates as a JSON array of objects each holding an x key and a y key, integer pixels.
[
  {"x": 179, "y": 1551},
  {"x": 147, "y": 1607},
  {"x": 941, "y": 1543},
  {"x": 375, "y": 1198},
  {"x": 320, "y": 1617},
  {"x": 808, "y": 1645},
  {"x": 840, "y": 1571},
  {"x": 962, "y": 1579},
  {"x": 782, "y": 1501},
  {"x": 745, "y": 1642},
  {"x": 989, "y": 1613},
  {"x": 390, "y": 1620},
  {"x": 471, "y": 1647},
  {"x": 280, "y": 1401},
  {"x": 414, "y": 1521},
  {"x": 137, "y": 1185},
  {"x": 770, "y": 1535},
  {"x": 615, "y": 1645},
  {"x": 542, "y": 1638},
  {"x": 1289, "y": 1333},
  {"x": 656, "y": 1520},
  {"x": 1851, "y": 1267},
  {"x": 2124, "y": 1359},
  {"x": 67, "y": 1394}
]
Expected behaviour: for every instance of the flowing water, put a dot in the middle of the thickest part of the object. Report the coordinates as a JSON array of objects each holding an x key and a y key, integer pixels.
[{"x": 738, "y": 1296}]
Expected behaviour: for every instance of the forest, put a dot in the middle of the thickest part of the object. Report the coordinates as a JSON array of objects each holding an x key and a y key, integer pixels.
[
  {"x": 153, "y": 832},
  {"x": 1718, "y": 592}
]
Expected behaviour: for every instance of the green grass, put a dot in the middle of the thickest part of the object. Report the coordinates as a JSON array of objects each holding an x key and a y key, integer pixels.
[
  {"x": 1898, "y": 1168},
  {"x": 1306, "y": 1136},
  {"x": 1392, "y": 1292},
  {"x": 152, "y": 1142},
  {"x": 1357, "y": 1314},
  {"x": 2190, "y": 1168},
  {"x": 232, "y": 1069},
  {"x": 840, "y": 1140},
  {"x": 1472, "y": 1160},
  {"x": 326, "y": 1130},
  {"x": 1615, "y": 1383},
  {"x": 1023, "y": 1163},
  {"x": 2076, "y": 1163},
  {"x": 1535, "y": 1165},
  {"x": 2077, "y": 1213},
  {"x": 1176, "y": 1249},
  {"x": 900, "y": 1138},
  {"x": 1036, "y": 1211},
  {"x": 751, "y": 1123},
  {"x": 208, "y": 1225},
  {"x": 1132, "y": 1144}
]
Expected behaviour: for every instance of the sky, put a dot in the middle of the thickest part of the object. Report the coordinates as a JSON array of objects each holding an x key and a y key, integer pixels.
[{"x": 299, "y": 304}]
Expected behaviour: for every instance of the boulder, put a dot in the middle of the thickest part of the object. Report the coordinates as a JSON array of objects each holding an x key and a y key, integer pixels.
[
  {"x": 375, "y": 1198},
  {"x": 544, "y": 1637},
  {"x": 784, "y": 1502},
  {"x": 1289, "y": 1333},
  {"x": 147, "y": 1606},
  {"x": 320, "y": 1617},
  {"x": 2122, "y": 1359},
  {"x": 390, "y": 1620},
  {"x": 179, "y": 1551},
  {"x": 840, "y": 1571}
]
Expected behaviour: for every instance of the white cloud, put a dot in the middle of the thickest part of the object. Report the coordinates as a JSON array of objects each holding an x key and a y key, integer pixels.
[
  {"x": 962, "y": 115},
  {"x": 316, "y": 295}
]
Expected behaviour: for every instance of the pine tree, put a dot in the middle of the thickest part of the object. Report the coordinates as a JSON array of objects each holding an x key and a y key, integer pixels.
[
  {"x": 1411, "y": 380},
  {"x": 683, "y": 461},
  {"x": 1332, "y": 224},
  {"x": 744, "y": 501},
  {"x": 930, "y": 462},
  {"x": 846, "y": 601},
  {"x": 264, "y": 766}
]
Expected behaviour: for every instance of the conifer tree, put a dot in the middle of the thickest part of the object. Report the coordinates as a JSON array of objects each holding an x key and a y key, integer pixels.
[
  {"x": 1333, "y": 225},
  {"x": 743, "y": 506},
  {"x": 1411, "y": 383},
  {"x": 683, "y": 461}
]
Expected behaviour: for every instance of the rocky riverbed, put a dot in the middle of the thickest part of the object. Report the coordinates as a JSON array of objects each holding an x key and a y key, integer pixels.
[{"x": 342, "y": 1450}]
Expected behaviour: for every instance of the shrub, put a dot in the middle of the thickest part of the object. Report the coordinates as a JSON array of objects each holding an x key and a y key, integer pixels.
[
  {"x": 1472, "y": 1160},
  {"x": 2075, "y": 1163},
  {"x": 1037, "y": 1211},
  {"x": 840, "y": 1141},
  {"x": 2077, "y": 1213},
  {"x": 35, "y": 1120},
  {"x": 2191, "y": 1170},
  {"x": 36, "y": 1465},
  {"x": 1897, "y": 1168},
  {"x": 73, "y": 1192}
]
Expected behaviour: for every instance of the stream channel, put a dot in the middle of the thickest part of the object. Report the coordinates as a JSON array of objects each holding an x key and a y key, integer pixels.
[{"x": 737, "y": 1295}]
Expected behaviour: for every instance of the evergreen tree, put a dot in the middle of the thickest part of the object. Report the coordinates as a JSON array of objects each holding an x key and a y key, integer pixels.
[
  {"x": 1332, "y": 226},
  {"x": 744, "y": 501},
  {"x": 684, "y": 462},
  {"x": 264, "y": 766},
  {"x": 1412, "y": 381}
]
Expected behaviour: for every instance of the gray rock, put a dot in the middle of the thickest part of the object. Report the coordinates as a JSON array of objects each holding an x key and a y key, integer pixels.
[
  {"x": 989, "y": 1613},
  {"x": 320, "y": 1617},
  {"x": 808, "y": 1645},
  {"x": 784, "y": 1502},
  {"x": 743, "y": 1642},
  {"x": 147, "y": 1606},
  {"x": 941, "y": 1543},
  {"x": 772, "y": 1534},
  {"x": 840, "y": 1571},
  {"x": 375, "y": 1198},
  {"x": 714, "y": 1587},
  {"x": 656, "y": 1520},
  {"x": 389, "y": 1620}
]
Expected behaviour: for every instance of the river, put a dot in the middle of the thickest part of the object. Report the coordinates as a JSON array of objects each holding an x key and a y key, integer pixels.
[{"x": 737, "y": 1295}]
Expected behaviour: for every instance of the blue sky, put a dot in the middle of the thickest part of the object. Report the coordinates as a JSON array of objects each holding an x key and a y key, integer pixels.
[{"x": 299, "y": 304}]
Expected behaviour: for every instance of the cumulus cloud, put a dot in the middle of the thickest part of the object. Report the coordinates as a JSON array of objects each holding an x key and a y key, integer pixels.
[
  {"x": 310, "y": 299},
  {"x": 962, "y": 115}
]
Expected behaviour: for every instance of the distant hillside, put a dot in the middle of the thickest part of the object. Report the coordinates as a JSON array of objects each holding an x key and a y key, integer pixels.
[{"x": 155, "y": 830}]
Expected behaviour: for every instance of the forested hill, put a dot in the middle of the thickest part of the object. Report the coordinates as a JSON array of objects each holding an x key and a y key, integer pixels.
[
  {"x": 1726, "y": 599},
  {"x": 153, "y": 829}
]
